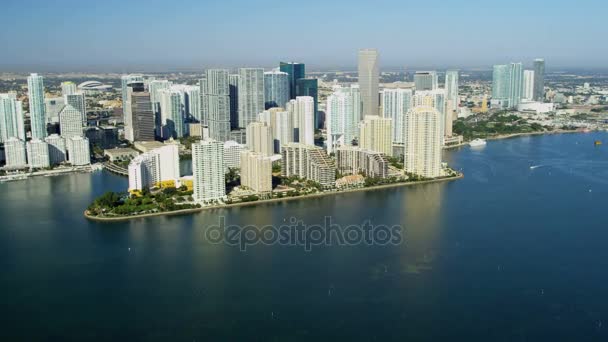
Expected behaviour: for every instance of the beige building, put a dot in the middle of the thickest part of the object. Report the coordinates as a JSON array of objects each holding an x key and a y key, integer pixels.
[
  {"x": 256, "y": 171},
  {"x": 259, "y": 138},
  {"x": 375, "y": 134},
  {"x": 308, "y": 162},
  {"x": 423, "y": 139}
]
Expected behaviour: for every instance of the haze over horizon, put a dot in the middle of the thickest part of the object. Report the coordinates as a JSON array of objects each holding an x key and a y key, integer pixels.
[{"x": 70, "y": 35}]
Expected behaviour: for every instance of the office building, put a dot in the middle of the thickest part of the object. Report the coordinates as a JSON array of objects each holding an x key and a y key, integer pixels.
[
  {"x": 528, "y": 91},
  {"x": 208, "y": 171},
  {"x": 125, "y": 80},
  {"x": 156, "y": 168},
  {"x": 422, "y": 155},
  {"x": 368, "y": 81},
  {"x": 395, "y": 105},
  {"x": 68, "y": 88},
  {"x": 52, "y": 108},
  {"x": 78, "y": 101},
  {"x": 70, "y": 122},
  {"x": 35, "y": 92},
  {"x": 310, "y": 87},
  {"x": 303, "y": 115},
  {"x": 57, "y": 149},
  {"x": 172, "y": 113},
  {"x": 539, "y": 80},
  {"x": 376, "y": 133},
  {"x": 426, "y": 80},
  {"x": 11, "y": 118},
  {"x": 251, "y": 95},
  {"x": 78, "y": 151},
  {"x": 295, "y": 71},
  {"x": 140, "y": 122},
  {"x": 38, "y": 154},
  {"x": 233, "y": 85},
  {"x": 256, "y": 171},
  {"x": 343, "y": 112},
  {"x": 259, "y": 138},
  {"x": 516, "y": 79},
  {"x": 276, "y": 89},
  {"x": 15, "y": 155},
  {"x": 217, "y": 103}
]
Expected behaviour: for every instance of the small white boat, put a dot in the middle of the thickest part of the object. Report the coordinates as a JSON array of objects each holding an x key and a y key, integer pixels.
[{"x": 477, "y": 143}]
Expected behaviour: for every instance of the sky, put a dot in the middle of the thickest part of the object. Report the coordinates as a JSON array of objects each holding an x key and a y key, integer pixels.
[{"x": 162, "y": 35}]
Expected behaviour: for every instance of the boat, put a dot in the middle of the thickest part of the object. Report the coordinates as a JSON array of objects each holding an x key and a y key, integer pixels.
[
  {"x": 597, "y": 143},
  {"x": 477, "y": 143}
]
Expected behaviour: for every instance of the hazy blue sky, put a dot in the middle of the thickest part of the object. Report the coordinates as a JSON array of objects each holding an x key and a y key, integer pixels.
[{"x": 128, "y": 34}]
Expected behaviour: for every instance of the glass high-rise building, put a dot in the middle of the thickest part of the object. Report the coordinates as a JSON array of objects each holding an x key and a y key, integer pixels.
[
  {"x": 35, "y": 90},
  {"x": 233, "y": 82},
  {"x": 295, "y": 72},
  {"x": 251, "y": 95},
  {"x": 516, "y": 78},
  {"x": 539, "y": 79},
  {"x": 217, "y": 101},
  {"x": 276, "y": 89},
  {"x": 368, "y": 72},
  {"x": 426, "y": 80}
]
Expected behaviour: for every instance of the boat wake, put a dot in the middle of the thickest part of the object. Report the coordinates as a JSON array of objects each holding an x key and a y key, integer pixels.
[{"x": 536, "y": 166}]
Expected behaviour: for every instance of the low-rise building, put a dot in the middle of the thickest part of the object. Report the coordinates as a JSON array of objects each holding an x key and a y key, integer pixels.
[
  {"x": 309, "y": 162},
  {"x": 354, "y": 160}
]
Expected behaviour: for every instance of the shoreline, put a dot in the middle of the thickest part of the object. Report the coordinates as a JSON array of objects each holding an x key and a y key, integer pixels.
[
  {"x": 273, "y": 200},
  {"x": 516, "y": 135}
]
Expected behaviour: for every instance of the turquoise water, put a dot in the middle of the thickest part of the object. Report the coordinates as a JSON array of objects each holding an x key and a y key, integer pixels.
[{"x": 509, "y": 253}]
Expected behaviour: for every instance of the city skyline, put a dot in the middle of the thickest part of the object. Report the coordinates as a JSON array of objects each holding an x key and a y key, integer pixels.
[{"x": 477, "y": 37}]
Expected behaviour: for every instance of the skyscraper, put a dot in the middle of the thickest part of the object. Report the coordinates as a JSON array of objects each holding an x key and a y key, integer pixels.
[
  {"x": 233, "y": 81},
  {"x": 172, "y": 109},
  {"x": 251, "y": 95},
  {"x": 218, "y": 104},
  {"x": 295, "y": 72},
  {"x": 140, "y": 122},
  {"x": 528, "y": 92},
  {"x": 395, "y": 105},
  {"x": 376, "y": 134},
  {"x": 303, "y": 113},
  {"x": 276, "y": 89},
  {"x": 125, "y": 80},
  {"x": 208, "y": 171},
  {"x": 68, "y": 88},
  {"x": 343, "y": 112},
  {"x": 422, "y": 155},
  {"x": 516, "y": 78},
  {"x": 35, "y": 89},
  {"x": 309, "y": 87},
  {"x": 539, "y": 79},
  {"x": 70, "y": 122},
  {"x": 78, "y": 101},
  {"x": 259, "y": 138},
  {"x": 11, "y": 118},
  {"x": 426, "y": 80},
  {"x": 451, "y": 88},
  {"x": 15, "y": 153},
  {"x": 368, "y": 81}
]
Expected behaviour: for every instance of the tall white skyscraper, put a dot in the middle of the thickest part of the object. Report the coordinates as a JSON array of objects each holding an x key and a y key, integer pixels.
[
  {"x": 423, "y": 142},
  {"x": 217, "y": 103},
  {"x": 11, "y": 118},
  {"x": 343, "y": 113},
  {"x": 35, "y": 91},
  {"x": 251, "y": 95},
  {"x": 259, "y": 138},
  {"x": 70, "y": 122},
  {"x": 369, "y": 75},
  {"x": 38, "y": 154},
  {"x": 303, "y": 109},
  {"x": 154, "y": 87},
  {"x": 172, "y": 109},
  {"x": 14, "y": 149},
  {"x": 208, "y": 170},
  {"x": 452, "y": 100},
  {"x": 376, "y": 134},
  {"x": 276, "y": 89},
  {"x": 528, "y": 92},
  {"x": 395, "y": 105}
]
